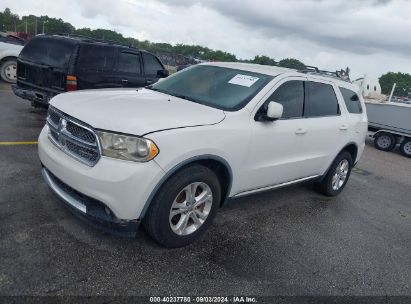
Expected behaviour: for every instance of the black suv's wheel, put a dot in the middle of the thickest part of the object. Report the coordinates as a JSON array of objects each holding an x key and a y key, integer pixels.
[
  {"x": 8, "y": 71},
  {"x": 405, "y": 147},
  {"x": 184, "y": 207},
  {"x": 337, "y": 176},
  {"x": 384, "y": 141}
]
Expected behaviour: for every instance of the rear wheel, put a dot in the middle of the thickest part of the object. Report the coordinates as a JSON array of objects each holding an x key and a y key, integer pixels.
[
  {"x": 384, "y": 141},
  {"x": 337, "y": 176},
  {"x": 184, "y": 207},
  {"x": 8, "y": 71},
  {"x": 405, "y": 147}
]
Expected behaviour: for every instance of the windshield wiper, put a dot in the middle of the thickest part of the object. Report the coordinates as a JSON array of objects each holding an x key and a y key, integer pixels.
[
  {"x": 182, "y": 97},
  {"x": 185, "y": 97}
]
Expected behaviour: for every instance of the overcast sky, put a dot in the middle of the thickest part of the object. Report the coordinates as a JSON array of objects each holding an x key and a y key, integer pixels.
[{"x": 370, "y": 36}]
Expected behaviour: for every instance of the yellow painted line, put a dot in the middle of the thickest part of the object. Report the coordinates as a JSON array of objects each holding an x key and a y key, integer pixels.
[{"x": 17, "y": 143}]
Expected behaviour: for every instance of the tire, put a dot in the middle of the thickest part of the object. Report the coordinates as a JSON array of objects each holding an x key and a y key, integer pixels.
[
  {"x": 159, "y": 222},
  {"x": 8, "y": 71},
  {"x": 385, "y": 141},
  {"x": 332, "y": 183},
  {"x": 405, "y": 147}
]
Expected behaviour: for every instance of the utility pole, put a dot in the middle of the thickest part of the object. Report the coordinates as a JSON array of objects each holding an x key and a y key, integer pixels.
[
  {"x": 26, "y": 26},
  {"x": 35, "y": 29},
  {"x": 43, "y": 26}
]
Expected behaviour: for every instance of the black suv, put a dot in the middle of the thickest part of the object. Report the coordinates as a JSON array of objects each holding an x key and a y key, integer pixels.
[{"x": 52, "y": 64}]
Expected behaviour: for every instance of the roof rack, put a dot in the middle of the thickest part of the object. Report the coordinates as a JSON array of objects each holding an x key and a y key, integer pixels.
[
  {"x": 341, "y": 75},
  {"x": 91, "y": 39}
]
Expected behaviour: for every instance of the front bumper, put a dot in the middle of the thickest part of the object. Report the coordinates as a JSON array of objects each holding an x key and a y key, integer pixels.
[
  {"x": 89, "y": 209},
  {"x": 121, "y": 186}
]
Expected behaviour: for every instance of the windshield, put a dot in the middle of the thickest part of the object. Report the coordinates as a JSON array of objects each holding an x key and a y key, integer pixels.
[{"x": 218, "y": 87}]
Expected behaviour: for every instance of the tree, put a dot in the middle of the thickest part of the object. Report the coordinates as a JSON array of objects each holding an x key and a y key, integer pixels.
[
  {"x": 8, "y": 20},
  {"x": 264, "y": 60},
  {"x": 291, "y": 63},
  {"x": 402, "y": 80}
]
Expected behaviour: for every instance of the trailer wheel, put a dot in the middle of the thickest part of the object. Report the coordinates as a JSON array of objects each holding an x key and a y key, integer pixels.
[
  {"x": 385, "y": 141},
  {"x": 405, "y": 147}
]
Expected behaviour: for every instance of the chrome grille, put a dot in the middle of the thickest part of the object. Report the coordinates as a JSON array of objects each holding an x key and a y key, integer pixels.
[{"x": 73, "y": 137}]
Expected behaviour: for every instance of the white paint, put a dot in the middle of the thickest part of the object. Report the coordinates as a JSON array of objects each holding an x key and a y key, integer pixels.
[
  {"x": 9, "y": 50},
  {"x": 260, "y": 154}
]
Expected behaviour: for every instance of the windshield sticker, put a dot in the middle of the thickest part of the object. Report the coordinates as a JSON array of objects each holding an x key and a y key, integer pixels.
[{"x": 243, "y": 80}]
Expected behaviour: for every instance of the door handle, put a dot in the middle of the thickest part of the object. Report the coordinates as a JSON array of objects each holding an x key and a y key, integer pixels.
[
  {"x": 124, "y": 80},
  {"x": 344, "y": 128},
  {"x": 300, "y": 131},
  {"x": 149, "y": 81}
]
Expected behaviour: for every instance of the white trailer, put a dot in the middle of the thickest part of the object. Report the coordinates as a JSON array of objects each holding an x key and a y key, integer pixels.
[{"x": 390, "y": 123}]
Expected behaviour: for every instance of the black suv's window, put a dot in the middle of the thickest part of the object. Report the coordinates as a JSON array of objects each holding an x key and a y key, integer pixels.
[
  {"x": 129, "y": 63},
  {"x": 321, "y": 100},
  {"x": 291, "y": 96},
  {"x": 151, "y": 64},
  {"x": 48, "y": 51},
  {"x": 351, "y": 101},
  {"x": 96, "y": 58}
]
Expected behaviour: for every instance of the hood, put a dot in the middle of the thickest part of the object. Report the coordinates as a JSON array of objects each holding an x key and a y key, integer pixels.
[
  {"x": 9, "y": 49},
  {"x": 134, "y": 111}
]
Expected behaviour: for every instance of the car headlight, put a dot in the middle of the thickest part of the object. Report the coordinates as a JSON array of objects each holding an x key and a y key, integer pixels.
[{"x": 127, "y": 147}]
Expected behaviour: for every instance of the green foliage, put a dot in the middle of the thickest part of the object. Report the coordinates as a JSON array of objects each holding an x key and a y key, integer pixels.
[
  {"x": 8, "y": 20},
  {"x": 291, "y": 64},
  {"x": 402, "y": 80},
  {"x": 195, "y": 51},
  {"x": 264, "y": 60}
]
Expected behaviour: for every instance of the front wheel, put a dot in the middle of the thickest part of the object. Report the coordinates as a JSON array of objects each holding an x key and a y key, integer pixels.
[
  {"x": 337, "y": 176},
  {"x": 405, "y": 147},
  {"x": 184, "y": 207},
  {"x": 8, "y": 71}
]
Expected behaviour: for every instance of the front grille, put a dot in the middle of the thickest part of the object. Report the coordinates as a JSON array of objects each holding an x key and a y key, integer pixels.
[
  {"x": 81, "y": 133},
  {"x": 73, "y": 137}
]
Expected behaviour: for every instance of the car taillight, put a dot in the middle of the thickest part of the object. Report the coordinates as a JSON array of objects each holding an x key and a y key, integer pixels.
[{"x": 71, "y": 83}]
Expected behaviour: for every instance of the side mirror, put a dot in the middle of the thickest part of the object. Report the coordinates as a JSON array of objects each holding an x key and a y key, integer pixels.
[
  {"x": 271, "y": 112},
  {"x": 274, "y": 110},
  {"x": 162, "y": 73}
]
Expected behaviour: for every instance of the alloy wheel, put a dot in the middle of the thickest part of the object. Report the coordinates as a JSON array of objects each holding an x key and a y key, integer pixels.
[
  {"x": 340, "y": 174},
  {"x": 190, "y": 208}
]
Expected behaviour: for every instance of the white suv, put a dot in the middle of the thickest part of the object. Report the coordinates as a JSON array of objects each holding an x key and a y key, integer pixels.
[{"x": 171, "y": 154}]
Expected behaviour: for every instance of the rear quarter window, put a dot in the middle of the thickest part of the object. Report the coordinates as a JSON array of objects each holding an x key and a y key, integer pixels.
[
  {"x": 97, "y": 58},
  {"x": 352, "y": 101}
]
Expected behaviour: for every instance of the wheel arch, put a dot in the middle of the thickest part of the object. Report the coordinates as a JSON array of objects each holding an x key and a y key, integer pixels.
[
  {"x": 351, "y": 148},
  {"x": 215, "y": 163},
  {"x": 5, "y": 58}
]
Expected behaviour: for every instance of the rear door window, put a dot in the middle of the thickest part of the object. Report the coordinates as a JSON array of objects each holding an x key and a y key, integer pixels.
[
  {"x": 352, "y": 101},
  {"x": 321, "y": 100},
  {"x": 96, "y": 58},
  {"x": 129, "y": 63},
  {"x": 151, "y": 64}
]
